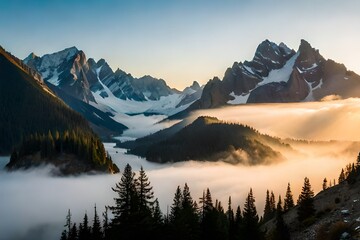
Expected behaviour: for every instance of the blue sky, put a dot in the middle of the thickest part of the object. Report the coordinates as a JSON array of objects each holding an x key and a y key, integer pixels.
[{"x": 179, "y": 41}]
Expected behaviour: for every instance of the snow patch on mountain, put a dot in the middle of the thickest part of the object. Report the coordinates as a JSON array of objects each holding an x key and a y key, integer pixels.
[
  {"x": 310, "y": 96},
  {"x": 239, "y": 99},
  {"x": 282, "y": 74},
  {"x": 55, "y": 59}
]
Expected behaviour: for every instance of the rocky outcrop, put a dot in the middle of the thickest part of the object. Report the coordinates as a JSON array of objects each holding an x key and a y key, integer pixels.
[{"x": 279, "y": 74}]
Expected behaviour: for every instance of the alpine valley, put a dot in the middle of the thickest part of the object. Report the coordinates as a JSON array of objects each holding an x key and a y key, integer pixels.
[{"x": 282, "y": 116}]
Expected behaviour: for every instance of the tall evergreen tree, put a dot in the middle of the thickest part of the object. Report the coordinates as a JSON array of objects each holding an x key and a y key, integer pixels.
[
  {"x": 145, "y": 191},
  {"x": 68, "y": 223},
  {"x": 157, "y": 215},
  {"x": 357, "y": 166},
  {"x": 267, "y": 208},
  {"x": 324, "y": 186},
  {"x": 125, "y": 203},
  {"x": 288, "y": 201},
  {"x": 106, "y": 224},
  {"x": 84, "y": 229},
  {"x": 96, "y": 233},
  {"x": 272, "y": 204},
  {"x": 341, "y": 176},
  {"x": 251, "y": 218},
  {"x": 64, "y": 235},
  {"x": 231, "y": 220},
  {"x": 189, "y": 215},
  {"x": 281, "y": 231},
  {"x": 176, "y": 206},
  {"x": 306, "y": 202},
  {"x": 279, "y": 208},
  {"x": 73, "y": 233}
]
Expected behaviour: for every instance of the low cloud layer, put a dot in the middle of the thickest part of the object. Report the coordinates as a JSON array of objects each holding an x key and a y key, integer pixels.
[
  {"x": 33, "y": 205},
  {"x": 337, "y": 120}
]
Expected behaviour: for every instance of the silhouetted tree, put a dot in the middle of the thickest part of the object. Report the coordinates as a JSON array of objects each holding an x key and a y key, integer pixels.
[
  {"x": 341, "y": 176},
  {"x": 306, "y": 202},
  {"x": 288, "y": 201},
  {"x": 145, "y": 191},
  {"x": 126, "y": 202},
  {"x": 68, "y": 223},
  {"x": 84, "y": 229},
  {"x": 324, "y": 186},
  {"x": 267, "y": 208},
  {"x": 251, "y": 218},
  {"x": 73, "y": 233},
  {"x": 231, "y": 220},
  {"x": 281, "y": 231},
  {"x": 96, "y": 233},
  {"x": 106, "y": 223}
]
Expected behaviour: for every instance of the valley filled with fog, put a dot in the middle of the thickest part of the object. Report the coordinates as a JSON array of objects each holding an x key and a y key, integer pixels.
[{"x": 35, "y": 203}]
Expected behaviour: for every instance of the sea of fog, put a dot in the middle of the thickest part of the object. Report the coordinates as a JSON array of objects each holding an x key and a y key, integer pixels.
[{"x": 33, "y": 204}]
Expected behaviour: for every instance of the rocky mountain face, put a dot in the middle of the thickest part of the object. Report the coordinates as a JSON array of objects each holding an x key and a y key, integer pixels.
[
  {"x": 279, "y": 74},
  {"x": 104, "y": 97},
  {"x": 80, "y": 77}
]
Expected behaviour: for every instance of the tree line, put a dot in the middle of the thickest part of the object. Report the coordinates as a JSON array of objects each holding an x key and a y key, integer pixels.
[
  {"x": 86, "y": 146},
  {"x": 136, "y": 214}
]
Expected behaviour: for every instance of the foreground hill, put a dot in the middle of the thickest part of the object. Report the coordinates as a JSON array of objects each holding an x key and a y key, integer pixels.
[
  {"x": 337, "y": 213},
  {"x": 208, "y": 139},
  {"x": 28, "y": 106}
]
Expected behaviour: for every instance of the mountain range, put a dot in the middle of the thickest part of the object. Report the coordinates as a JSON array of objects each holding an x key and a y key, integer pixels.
[
  {"x": 85, "y": 84},
  {"x": 275, "y": 74},
  {"x": 278, "y": 74}
]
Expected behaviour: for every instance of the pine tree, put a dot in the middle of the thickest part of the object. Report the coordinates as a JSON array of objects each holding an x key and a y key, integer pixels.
[
  {"x": 176, "y": 206},
  {"x": 357, "y": 166},
  {"x": 324, "y": 186},
  {"x": 68, "y": 223},
  {"x": 106, "y": 223},
  {"x": 145, "y": 192},
  {"x": 279, "y": 208},
  {"x": 84, "y": 229},
  {"x": 64, "y": 235},
  {"x": 306, "y": 202},
  {"x": 231, "y": 220},
  {"x": 73, "y": 233},
  {"x": 251, "y": 218},
  {"x": 341, "y": 176},
  {"x": 189, "y": 216},
  {"x": 272, "y": 204},
  {"x": 96, "y": 228},
  {"x": 157, "y": 215},
  {"x": 288, "y": 201},
  {"x": 125, "y": 203},
  {"x": 267, "y": 208}
]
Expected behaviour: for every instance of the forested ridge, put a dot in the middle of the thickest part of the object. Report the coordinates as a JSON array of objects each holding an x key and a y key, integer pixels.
[
  {"x": 55, "y": 148},
  {"x": 33, "y": 120},
  {"x": 209, "y": 139},
  {"x": 27, "y": 108}
]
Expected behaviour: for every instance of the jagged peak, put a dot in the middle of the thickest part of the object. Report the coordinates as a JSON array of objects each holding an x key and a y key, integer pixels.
[
  {"x": 304, "y": 45},
  {"x": 285, "y": 48},
  {"x": 101, "y": 62},
  {"x": 195, "y": 85},
  {"x": 30, "y": 57}
]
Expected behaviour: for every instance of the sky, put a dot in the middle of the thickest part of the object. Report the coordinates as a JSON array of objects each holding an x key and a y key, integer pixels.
[{"x": 179, "y": 41}]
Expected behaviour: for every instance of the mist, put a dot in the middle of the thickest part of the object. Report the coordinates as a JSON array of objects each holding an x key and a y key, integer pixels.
[
  {"x": 327, "y": 120},
  {"x": 33, "y": 204}
]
